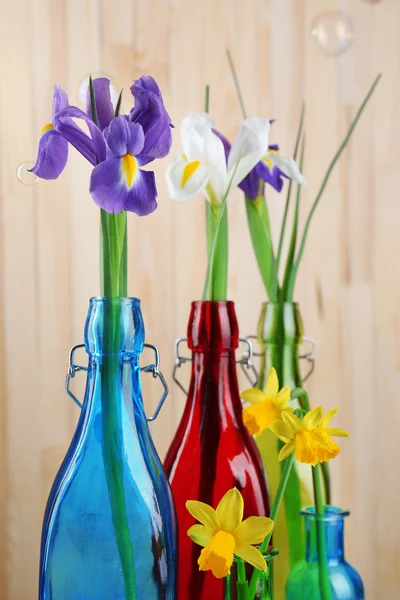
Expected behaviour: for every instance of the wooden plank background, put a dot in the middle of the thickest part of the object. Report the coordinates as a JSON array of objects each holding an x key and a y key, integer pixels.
[{"x": 348, "y": 288}]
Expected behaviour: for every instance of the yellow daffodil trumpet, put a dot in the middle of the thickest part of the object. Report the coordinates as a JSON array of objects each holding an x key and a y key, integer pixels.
[
  {"x": 309, "y": 438},
  {"x": 265, "y": 407},
  {"x": 223, "y": 534}
]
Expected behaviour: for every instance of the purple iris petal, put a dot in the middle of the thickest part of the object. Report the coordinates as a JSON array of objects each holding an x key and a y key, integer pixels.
[
  {"x": 227, "y": 145},
  {"x": 60, "y": 101},
  {"x": 150, "y": 113},
  {"x": 94, "y": 147},
  {"x": 271, "y": 175},
  {"x": 146, "y": 83},
  {"x": 104, "y": 107},
  {"x": 52, "y": 155},
  {"x": 110, "y": 191},
  {"x": 124, "y": 137},
  {"x": 250, "y": 184}
]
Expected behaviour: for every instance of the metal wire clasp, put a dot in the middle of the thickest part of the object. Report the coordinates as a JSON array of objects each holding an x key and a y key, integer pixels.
[
  {"x": 309, "y": 356},
  {"x": 152, "y": 368},
  {"x": 179, "y": 361},
  {"x": 72, "y": 369},
  {"x": 246, "y": 362}
]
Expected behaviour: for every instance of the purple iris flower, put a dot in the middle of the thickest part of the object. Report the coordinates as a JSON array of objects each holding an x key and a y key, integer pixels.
[
  {"x": 250, "y": 184},
  {"x": 102, "y": 98},
  {"x": 118, "y": 183},
  {"x": 117, "y": 147},
  {"x": 53, "y": 148},
  {"x": 150, "y": 113}
]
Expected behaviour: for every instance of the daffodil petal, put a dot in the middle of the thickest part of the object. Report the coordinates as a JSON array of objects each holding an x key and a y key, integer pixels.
[
  {"x": 292, "y": 421},
  {"x": 327, "y": 418},
  {"x": 253, "y": 530},
  {"x": 282, "y": 430},
  {"x": 252, "y": 396},
  {"x": 320, "y": 438},
  {"x": 288, "y": 166},
  {"x": 286, "y": 450},
  {"x": 230, "y": 510},
  {"x": 251, "y": 555},
  {"x": 199, "y": 534},
  {"x": 283, "y": 397},
  {"x": 204, "y": 513},
  {"x": 186, "y": 179},
  {"x": 337, "y": 432},
  {"x": 272, "y": 386},
  {"x": 312, "y": 419}
]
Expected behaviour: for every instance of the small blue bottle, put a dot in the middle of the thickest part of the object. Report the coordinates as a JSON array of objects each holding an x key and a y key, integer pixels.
[
  {"x": 109, "y": 530},
  {"x": 303, "y": 581}
]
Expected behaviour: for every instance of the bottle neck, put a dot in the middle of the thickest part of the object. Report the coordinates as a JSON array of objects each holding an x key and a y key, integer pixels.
[
  {"x": 213, "y": 338},
  {"x": 334, "y": 534}
]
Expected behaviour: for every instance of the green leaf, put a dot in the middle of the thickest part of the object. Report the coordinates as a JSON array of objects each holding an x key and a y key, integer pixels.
[
  {"x": 93, "y": 102},
  {"x": 118, "y": 105},
  {"x": 295, "y": 267},
  {"x": 293, "y": 239},
  {"x": 275, "y": 277}
]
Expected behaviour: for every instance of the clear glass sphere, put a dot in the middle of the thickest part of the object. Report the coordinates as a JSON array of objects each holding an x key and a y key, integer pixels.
[
  {"x": 333, "y": 32},
  {"x": 84, "y": 84},
  {"x": 24, "y": 176}
]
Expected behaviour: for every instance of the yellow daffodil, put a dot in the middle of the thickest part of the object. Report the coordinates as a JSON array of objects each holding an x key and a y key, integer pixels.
[
  {"x": 222, "y": 533},
  {"x": 310, "y": 438},
  {"x": 266, "y": 407}
]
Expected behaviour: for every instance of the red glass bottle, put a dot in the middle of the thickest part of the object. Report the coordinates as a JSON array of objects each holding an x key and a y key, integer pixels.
[{"x": 212, "y": 451}]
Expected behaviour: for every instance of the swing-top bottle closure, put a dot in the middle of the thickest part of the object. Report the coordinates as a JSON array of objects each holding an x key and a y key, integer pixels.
[{"x": 131, "y": 341}]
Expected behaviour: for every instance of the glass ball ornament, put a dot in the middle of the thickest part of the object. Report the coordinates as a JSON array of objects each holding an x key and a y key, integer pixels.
[
  {"x": 333, "y": 32},
  {"x": 24, "y": 176}
]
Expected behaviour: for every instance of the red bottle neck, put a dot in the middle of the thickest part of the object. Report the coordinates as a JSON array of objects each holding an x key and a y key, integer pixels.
[{"x": 213, "y": 327}]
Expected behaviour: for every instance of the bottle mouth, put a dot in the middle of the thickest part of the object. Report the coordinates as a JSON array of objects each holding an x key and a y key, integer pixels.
[
  {"x": 118, "y": 300},
  {"x": 331, "y": 513},
  {"x": 114, "y": 326}
]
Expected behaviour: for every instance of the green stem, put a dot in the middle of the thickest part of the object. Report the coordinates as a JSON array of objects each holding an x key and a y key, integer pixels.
[
  {"x": 293, "y": 239},
  {"x": 241, "y": 584},
  {"x": 113, "y": 284},
  {"x": 324, "y": 582},
  {"x": 207, "y": 99},
  {"x": 219, "y": 274},
  {"x": 112, "y": 452},
  {"x": 218, "y": 229},
  {"x": 301, "y": 395},
  {"x": 236, "y": 82},
  {"x": 295, "y": 267},
  {"x": 114, "y": 252},
  {"x": 220, "y": 238},
  {"x": 287, "y": 467},
  {"x": 275, "y": 270},
  {"x": 259, "y": 227}
]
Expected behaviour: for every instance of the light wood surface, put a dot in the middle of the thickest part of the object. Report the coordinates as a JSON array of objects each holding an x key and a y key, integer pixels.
[{"x": 349, "y": 288}]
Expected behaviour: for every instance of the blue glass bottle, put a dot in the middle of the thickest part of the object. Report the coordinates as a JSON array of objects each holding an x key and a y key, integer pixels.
[
  {"x": 109, "y": 530},
  {"x": 303, "y": 582}
]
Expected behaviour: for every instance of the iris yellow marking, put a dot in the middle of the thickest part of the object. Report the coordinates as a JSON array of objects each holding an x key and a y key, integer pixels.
[
  {"x": 267, "y": 160},
  {"x": 129, "y": 168},
  {"x": 47, "y": 128},
  {"x": 188, "y": 171}
]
